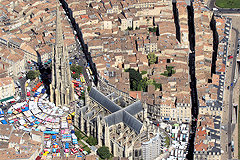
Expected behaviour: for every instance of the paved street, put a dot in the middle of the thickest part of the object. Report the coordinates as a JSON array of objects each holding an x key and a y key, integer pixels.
[
  {"x": 22, "y": 83},
  {"x": 78, "y": 58},
  {"x": 231, "y": 96},
  {"x": 230, "y": 92}
]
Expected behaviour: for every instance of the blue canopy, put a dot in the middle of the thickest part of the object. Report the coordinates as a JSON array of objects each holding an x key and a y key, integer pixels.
[
  {"x": 9, "y": 112},
  {"x": 11, "y": 121},
  {"x": 54, "y": 136},
  {"x": 66, "y": 145},
  {"x": 37, "y": 122},
  {"x": 23, "y": 110},
  {"x": 50, "y": 132},
  {"x": 4, "y": 121},
  {"x": 27, "y": 129},
  {"x": 43, "y": 90}
]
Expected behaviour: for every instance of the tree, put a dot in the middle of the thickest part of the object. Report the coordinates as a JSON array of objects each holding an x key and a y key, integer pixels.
[
  {"x": 32, "y": 74},
  {"x": 75, "y": 71},
  {"x": 37, "y": 73},
  {"x": 88, "y": 88},
  {"x": 76, "y": 68},
  {"x": 170, "y": 71},
  {"x": 92, "y": 141},
  {"x": 75, "y": 75},
  {"x": 104, "y": 152},
  {"x": 157, "y": 85},
  {"x": 154, "y": 29},
  {"x": 144, "y": 84},
  {"x": 135, "y": 78},
  {"x": 152, "y": 58},
  {"x": 143, "y": 72}
]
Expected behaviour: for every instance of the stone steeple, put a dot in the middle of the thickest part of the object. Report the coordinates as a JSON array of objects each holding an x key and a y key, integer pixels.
[{"x": 61, "y": 89}]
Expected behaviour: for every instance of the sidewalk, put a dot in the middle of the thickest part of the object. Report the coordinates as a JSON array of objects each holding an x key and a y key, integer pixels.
[{"x": 235, "y": 132}]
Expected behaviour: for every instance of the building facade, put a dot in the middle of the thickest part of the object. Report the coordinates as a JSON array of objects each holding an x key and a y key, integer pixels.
[{"x": 7, "y": 88}]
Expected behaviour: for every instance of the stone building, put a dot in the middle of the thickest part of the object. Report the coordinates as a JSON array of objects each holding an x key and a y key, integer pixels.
[
  {"x": 61, "y": 89},
  {"x": 7, "y": 88},
  {"x": 116, "y": 121}
]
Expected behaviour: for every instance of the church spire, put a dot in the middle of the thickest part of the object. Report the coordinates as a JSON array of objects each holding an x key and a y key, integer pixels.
[
  {"x": 59, "y": 35},
  {"x": 61, "y": 88}
]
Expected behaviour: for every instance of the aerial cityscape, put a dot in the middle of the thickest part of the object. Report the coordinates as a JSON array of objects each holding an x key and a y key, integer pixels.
[{"x": 119, "y": 79}]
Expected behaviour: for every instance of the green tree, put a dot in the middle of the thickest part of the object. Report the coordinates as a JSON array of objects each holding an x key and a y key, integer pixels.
[
  {"x": 75, "y": 76},
  {"x": 78, "y": 134},
  {"x": 152, "y": 58},
  {"x": 143, "y": 72},
  {"x": 32, "y": 74},
  {"x": 154, "y": 29},
  {"x": 144, "y": 84},
  {"x": 75, "y": 71},
  {"x": 157, "y": 85},
  {"x": 135, "y": 78},
  {"x": 92, "y": 141},
  {"x": 37, "y": 73},
  {"x": 104, "y": 152},
  {"x": 76, "y": 68},
  {"x": 170, "y": 71},
  {"x": 88, "y": 88}
]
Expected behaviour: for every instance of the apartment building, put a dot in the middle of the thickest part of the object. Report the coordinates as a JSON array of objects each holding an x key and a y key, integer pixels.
[
  {"x": 7, "y": 87},
  {"x": 18, "y": 144}
]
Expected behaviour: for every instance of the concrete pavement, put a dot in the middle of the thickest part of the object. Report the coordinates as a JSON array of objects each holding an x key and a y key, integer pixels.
[{"x": 229, "y": 131}]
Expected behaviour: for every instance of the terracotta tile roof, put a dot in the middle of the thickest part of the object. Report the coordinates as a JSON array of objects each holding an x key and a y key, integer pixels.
[
  {"x": 5, "y": 81},
  {"x": 136, "y": 94},
  {"x": 201, "y": 147}
]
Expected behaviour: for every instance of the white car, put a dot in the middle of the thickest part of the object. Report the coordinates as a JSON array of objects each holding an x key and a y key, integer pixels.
[{"x": 235, "y": 80}]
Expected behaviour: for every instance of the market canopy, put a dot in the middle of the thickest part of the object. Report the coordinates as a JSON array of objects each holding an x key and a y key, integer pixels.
[
  {"x": 50, "y": 132},
  {"x": 6, "y": 99}
]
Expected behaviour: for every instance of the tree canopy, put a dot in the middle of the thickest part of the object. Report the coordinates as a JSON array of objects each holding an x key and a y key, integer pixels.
[
  {"x": 169, "y": 71},
  {"x": 137, "y": 83},
  {"x": 104, "y": 152},
  {"x": 154, "y": 29},
  {"x": 152, "y": 58},
  {"x": 32, "y": 74},
  {"x": 92, "y": 141},
  {"x": 76, "y": 70},
  {"x": 135, "y": 78}
]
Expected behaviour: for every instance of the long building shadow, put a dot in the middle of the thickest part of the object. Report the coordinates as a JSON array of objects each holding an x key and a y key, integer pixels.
[
  {"x": 215, "y": 45},
  {"x": 79, "y": 36},
  {"x": 194, "y": 96},
  {"x": 176, "y": 20},
  {"x": 45, "y": 73}
]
